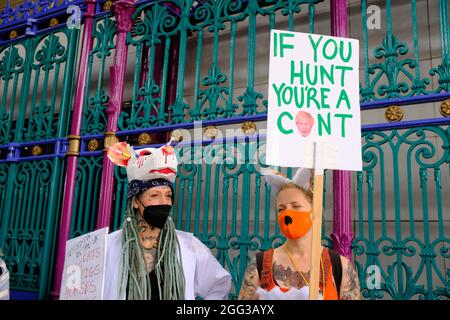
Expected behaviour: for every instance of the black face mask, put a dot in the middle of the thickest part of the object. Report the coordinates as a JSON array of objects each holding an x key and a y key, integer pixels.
[{"x": 157, "y": 215}]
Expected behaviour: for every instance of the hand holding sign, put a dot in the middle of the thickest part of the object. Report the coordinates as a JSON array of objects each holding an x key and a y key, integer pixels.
[{"x": 314, "y": 110}]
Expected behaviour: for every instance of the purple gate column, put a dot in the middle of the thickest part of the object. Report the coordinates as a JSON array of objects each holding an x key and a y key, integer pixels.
[
  {"x": 123, "y": 9},
  {"x": 74, "y": 145},
  {"x": 342, "y": 235}
]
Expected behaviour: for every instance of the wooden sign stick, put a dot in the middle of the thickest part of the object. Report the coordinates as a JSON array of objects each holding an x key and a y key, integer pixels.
[{"x": 316, "y": 227}]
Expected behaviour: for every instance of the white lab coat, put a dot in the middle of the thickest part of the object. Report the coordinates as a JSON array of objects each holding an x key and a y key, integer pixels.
[
  {"x": 203, "y": 274},
  {"x": 4, "y": 281}
]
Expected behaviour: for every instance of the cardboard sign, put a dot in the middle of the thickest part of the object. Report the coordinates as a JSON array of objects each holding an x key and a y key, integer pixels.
[
  {"x": 313, "y": 97},
  {"x": 84, "y": 267}
]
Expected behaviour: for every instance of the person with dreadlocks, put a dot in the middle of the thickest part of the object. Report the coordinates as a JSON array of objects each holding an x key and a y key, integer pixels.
[{"x": 148, "y": 259}]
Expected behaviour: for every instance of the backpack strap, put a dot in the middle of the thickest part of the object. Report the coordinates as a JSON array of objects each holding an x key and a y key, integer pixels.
[{"x": 336, "y": 264}]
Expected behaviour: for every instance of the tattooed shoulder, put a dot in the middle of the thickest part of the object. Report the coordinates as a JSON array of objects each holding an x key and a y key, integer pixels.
[
  {"x": 250, "y": 282},
  {"x": 350, "y": 288}
]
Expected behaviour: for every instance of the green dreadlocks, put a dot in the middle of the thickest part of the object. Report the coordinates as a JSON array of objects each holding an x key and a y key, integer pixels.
[{"x": 133, "y": 271}]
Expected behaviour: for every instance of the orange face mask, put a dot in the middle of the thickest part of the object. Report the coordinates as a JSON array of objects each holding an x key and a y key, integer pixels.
[{"x": 294, "y": 224}]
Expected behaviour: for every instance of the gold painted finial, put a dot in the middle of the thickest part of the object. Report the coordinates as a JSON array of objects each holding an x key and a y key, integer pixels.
[
  {"x": 393, "y": 114},
  {"x": 445, "y": 108},
  {"x": 36, "y": 151},
  {"x": 93, "y": 145},
  {"x": 144, "y": 139},
  {"x": 53, "y": 22},
  {"x": 13, "y": 34},
  {"x": 210, "y": 132},
  {"x": 249, "y": 128},
  {"x": 107, "y": 5}
]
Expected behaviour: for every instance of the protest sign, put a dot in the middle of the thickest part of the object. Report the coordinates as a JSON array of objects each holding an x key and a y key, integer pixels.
[
  {"x": 313, "y": 97},
  {"x": 84, "y": 266}
]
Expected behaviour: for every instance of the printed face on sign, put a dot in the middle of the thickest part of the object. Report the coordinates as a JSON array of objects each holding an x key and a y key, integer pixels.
[{"x": 304, "y": 122}]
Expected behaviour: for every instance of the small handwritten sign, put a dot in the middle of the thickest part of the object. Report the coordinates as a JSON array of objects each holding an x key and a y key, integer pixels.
[{"x": 84, "y": 267}]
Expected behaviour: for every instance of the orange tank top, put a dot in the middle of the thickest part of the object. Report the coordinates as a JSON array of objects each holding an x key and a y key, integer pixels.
[{"x": 267, "y": 281}]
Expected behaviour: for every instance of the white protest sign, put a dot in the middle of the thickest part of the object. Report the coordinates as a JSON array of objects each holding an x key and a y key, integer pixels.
[
  {"x": 84, "y": 267},
  {"x": 313, "y": 97}
]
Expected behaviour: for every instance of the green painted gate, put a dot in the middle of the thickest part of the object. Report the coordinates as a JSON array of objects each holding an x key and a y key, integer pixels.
[{"x": 34, "y": 118}]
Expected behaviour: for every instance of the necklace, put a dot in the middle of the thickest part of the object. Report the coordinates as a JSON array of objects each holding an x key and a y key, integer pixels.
[{"x": 301, "y": 273}]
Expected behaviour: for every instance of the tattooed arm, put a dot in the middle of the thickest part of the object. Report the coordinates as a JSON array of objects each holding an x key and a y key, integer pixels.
[
  {"x": 250, "y": 283},
  {"x": 350, "y": 289}
]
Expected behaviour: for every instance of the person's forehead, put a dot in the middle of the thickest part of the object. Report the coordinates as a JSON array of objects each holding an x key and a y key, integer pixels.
[
  {"x": 158, "y": 189},
  {"x": 292, "y": 202},
  {"x": 291, "y": 195}
]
